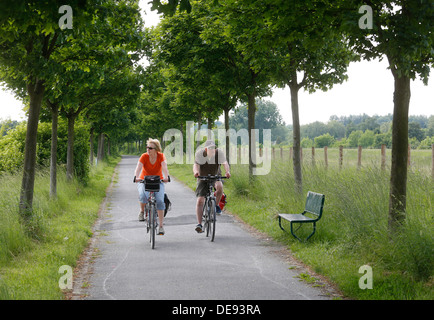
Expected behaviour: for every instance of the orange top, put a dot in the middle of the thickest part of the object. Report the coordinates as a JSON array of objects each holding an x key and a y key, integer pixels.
[{"x": 152, "y": 169}]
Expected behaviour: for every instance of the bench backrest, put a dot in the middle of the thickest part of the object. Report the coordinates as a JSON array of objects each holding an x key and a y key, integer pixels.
[{"x": 314, "y": 204}]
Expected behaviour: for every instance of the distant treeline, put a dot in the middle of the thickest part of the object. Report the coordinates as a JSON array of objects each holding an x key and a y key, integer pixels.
[
  {"x": 348, "y": 131},
  {"x": 367, "y": 131}
]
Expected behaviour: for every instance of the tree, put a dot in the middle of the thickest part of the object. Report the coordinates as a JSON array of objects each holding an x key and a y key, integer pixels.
[
  {"x": 35, "y": 52},
  {"x": 29, "y": 36},
  {"x": 415, "y": 131},
  {"x": 237, "y": 22},
  {"x": 401, "y": 31},
  {"x": 267, "y": 117},
  {"x": 308, "y": 52}
]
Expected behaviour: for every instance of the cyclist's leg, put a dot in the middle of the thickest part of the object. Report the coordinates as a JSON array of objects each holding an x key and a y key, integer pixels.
[
  {"x": 199, "y": 209},
  {"x": 219, "y": 191},
  {"x": 160, "y": 205},
  {"x": 201, "y": 191},
  {"x": 143, "y": 199}
]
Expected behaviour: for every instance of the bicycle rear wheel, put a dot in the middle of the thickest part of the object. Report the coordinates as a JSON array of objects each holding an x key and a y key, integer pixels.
[
  {"x": 211, "y": 218},
  {"x": 152, "y": 224},
  {"x": 205, "y": 217}
]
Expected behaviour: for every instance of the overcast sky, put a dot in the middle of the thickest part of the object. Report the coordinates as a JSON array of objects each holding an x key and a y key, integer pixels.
[{"x": 369, "y": 89}]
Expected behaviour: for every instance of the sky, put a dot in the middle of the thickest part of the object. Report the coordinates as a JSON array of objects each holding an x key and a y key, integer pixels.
[{"x": 369, "y": 89}]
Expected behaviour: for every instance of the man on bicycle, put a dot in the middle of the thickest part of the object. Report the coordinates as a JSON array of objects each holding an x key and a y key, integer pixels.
[{"x": 207, "y": 161}]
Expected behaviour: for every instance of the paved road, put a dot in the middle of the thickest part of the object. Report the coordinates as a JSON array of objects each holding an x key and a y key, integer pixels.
[{"x": 184, "y": 264}]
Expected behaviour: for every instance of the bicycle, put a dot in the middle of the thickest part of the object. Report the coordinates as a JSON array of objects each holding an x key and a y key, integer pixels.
[
  {"x": 209, "y": 214},
  {"x": 152, "y": 184}
]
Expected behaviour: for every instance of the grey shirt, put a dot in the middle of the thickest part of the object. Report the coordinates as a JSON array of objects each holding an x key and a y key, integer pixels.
[{"x": 209, "y": 166}]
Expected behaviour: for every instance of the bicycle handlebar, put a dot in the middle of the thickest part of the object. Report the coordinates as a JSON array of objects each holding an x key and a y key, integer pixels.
[
  {"x": 142, "y": 180},
  {"x": 209, "y": 177}
]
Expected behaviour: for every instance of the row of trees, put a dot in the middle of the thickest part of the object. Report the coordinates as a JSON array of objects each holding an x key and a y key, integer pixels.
[
  {"x": 82, "y": 67},
  {"x": 213, "y": 53}
]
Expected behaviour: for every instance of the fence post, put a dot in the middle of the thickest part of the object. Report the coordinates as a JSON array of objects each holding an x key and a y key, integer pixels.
[
  {"x": 341, "y": 156},
  {"x": 359, "y": 157},
  {"x": 432, "y": 161},
  {"x": 326, "y": 162},
  {"x": 313, "y": 156},
  {"x": 383, "y": 156},
  {"x": 281, "y": 152},
  {"x": 290, "y": 153}
]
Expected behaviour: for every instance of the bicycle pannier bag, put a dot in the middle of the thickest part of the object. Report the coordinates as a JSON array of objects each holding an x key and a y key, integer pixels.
[
  {"x": 167, "y": 203},
  {"x": 152, "y": 183},
  {"x": 223, "y": 200}
]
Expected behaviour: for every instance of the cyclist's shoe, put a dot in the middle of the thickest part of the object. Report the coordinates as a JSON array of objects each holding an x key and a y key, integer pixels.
[
  {"x": 141, "y": 216},
  {"x": 161, "y": 231},
  {"x": 199, "y": 228},
  {"x": 218, "y": 210}
]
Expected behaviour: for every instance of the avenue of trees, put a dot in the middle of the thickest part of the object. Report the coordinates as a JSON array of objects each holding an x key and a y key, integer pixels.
[{"x": 204, "y": 58}]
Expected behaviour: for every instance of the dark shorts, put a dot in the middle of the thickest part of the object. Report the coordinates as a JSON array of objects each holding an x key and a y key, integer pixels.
[{"x": 202, "y": 188}]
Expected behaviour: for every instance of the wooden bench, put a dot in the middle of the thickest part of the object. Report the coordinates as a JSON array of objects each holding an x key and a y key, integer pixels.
[{"x": 314, "y": 206}]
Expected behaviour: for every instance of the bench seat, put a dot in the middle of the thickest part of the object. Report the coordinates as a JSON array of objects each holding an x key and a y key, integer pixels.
[
  {"x": 296, "y": 217},
  {"x": 314, "y": 206}
]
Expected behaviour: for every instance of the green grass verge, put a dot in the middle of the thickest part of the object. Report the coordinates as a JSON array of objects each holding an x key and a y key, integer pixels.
[
  {"x": 30, "y": 257},
  {"x": 353, "y": 230}
]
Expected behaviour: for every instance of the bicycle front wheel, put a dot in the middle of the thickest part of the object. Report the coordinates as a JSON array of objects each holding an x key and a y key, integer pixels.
[
  {"x": 211, "y": 218},
  {"x": 153, "y": 225}
]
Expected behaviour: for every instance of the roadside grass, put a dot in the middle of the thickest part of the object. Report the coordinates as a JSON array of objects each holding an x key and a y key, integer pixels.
[
  {"x": 353, "y": 230},
  {"x": 58, "y": 233}
]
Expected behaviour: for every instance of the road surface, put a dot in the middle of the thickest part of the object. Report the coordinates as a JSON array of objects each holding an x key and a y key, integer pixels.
[{"x": 185, "y": 265}]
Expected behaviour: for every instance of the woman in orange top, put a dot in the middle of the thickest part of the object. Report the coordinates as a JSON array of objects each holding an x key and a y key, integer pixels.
[{"x": 152, "y": 163}]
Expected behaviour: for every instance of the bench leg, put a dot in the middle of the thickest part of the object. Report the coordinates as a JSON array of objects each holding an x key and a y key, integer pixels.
[
  {"x": 314, "y": 229},
  {"x": 292, "y": 232},
  {"x": 280, "y": 223}
]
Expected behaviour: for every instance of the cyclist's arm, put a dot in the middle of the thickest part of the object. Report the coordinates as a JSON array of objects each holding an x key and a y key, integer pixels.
[
  {"x": 196, "y": 170},
  {"x": 227, "y": 169},
  {"x": 138, "y": 169},
  {"x": 165, "y": 171}
]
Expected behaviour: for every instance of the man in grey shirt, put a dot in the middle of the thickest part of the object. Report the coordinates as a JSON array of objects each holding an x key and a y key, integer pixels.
[{"x": 207, "y": 161}]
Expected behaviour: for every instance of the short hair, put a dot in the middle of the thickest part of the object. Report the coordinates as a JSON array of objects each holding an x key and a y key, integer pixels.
[
  {"x": 156, "y": 144},
  {"x": 209, "y": 144}
]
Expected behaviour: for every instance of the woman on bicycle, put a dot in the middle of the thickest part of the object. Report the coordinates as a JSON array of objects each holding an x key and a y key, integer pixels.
[
  {"x": 152, "y": 163},
  {"x": 208, "y": 161}
]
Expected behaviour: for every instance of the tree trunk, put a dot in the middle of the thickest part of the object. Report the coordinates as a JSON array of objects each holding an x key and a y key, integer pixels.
[
  {"x": 36, "y": 93},
  {"x": 100, "y": 152},
  {"x": 251, "y": 111},
  {"x": 294, "y": 88},
  {"x": 53, "y": 157},
  {"x": 91, "y": 141},
  {"x": 210, "y": 125},
  {"x": 227, "y": 130},
  {"x": 70, "y": 149},
  {"x": 398, "y": 175}
]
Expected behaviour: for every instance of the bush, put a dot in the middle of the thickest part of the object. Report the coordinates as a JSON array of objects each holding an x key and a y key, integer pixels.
[
  {"x": 426, "y": 143},
  {"x": 324, "y": 140},
  {"x": 367, "y": 139},
  {"x": 12, "y": 149},
  {"x": 13, "y": 143}
]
